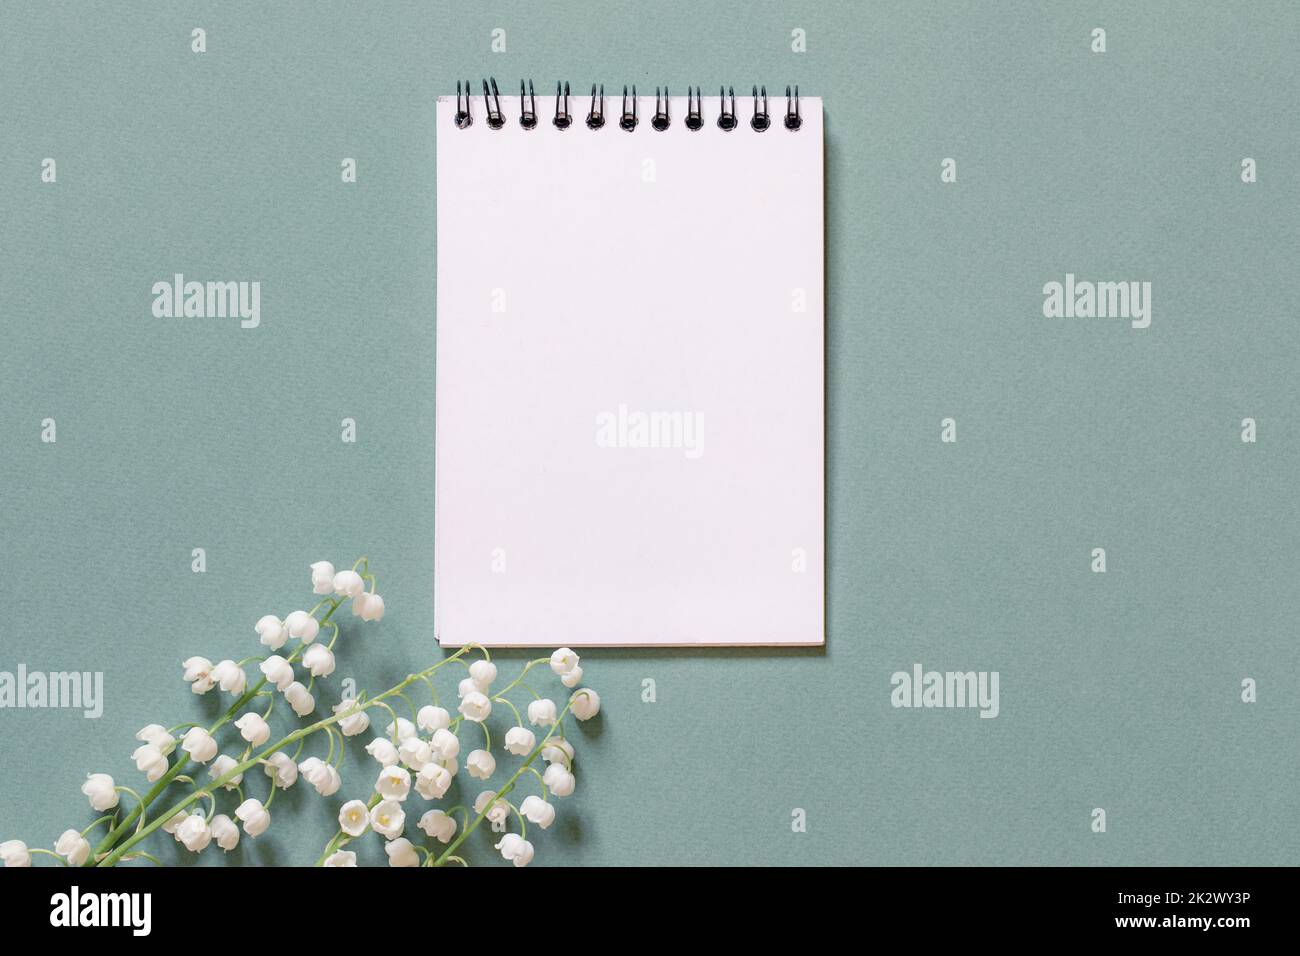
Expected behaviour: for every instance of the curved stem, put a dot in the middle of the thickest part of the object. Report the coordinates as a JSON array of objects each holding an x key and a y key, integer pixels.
[
  {"x": 243, "y": 766},
  {"x": 109, "y": 816},
  {"x": 509, "y": 785},
  {"x": 182, "y": 759}
]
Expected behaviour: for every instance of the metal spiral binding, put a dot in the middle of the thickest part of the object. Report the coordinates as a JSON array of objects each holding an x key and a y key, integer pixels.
[
  {"x": 495, "y": 118},
  {"x": 661, "y": 120},
  {"x": 727, "y": 118},
  {"x": 562, "y": 118},
  {"x": 760, "y": 122},
  {"x": 694, "y": 111},
  {"x": 527, "y": 115},
  {"x": 463, "y": 116},
  {"x": 596, "y": 116},
  {"x": 792, "y": 118},
  {"x": 628, "y": 119}
]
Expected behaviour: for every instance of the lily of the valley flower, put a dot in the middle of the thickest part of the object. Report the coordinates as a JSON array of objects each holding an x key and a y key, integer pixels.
[
  {"x": 278, "y": 671},
  {"x": 322, "y": 577},
  {"x": 542, "y": 712},
  {"x": 563, "y": 661},
  {"x": 150, "y": 762},
  {"x": 300, "y": 699},
  {"x": 254, "y": 728},
  {"x": 393, "y": 783},
  {"x": 303, "y": 626},
  {"x": 100, "y": 791},
  {"x": 198, "y": 743},
  {"x": 348, "y": 584},
  {"x": 516, "y": 849},
  {"x": 356, "y": 721},
  {"x": 401, "y": 853},
  {"x": 520, "y": 741},
  {"x": 271, "y": 631},
  {"x": 194, "y": 833},
  {"x": 222, "y": 766},
  {"x": 573, "y": 678},
  {"x": 341, "y": 858},
  {"x": 281, "y": 769},
  {"x": 255, "y": 817},
  {"x": 432, "y": 781},
  {"x": 438, "y": 825},
  {"x": 157, "y": 736},
  {"x": 558, "y": 750},
  {"x": 431, "y": 718},
  {"x": 480, "y": 764},
  {"x": 319, "y": 659},
  {"x": 387, "y": 818},
  {"x": 475, "y": 706},
  {"x": 175, "y": 820},
  {"x": 558, "y": 780},
  {"x": 15, "y": 853},
  {"x": 231, "y": 677},
  {"x": 415, "y": 752},
  {"x": 354, "y": 818},
  {"x": 73, "y": 847},
  {"x": 498, "y": 811},
  {"x": 198, "y": 671},
  {"x": 483, "y": 673},
  {"x": 368, "y": 607},
  {"x": 538, "y": 811},
  {"x": 224, "y": 832},
  {"x": 382, "y": 749},
  {"x": 585, "y": 703},
  {"x": 404, "y": 729},
  {"x": 321, "y": 775},
  {"x": 445, "y": 744}
]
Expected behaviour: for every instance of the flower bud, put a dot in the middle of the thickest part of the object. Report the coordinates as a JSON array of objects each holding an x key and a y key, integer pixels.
[
  {"x": 73, "y": 847},
  {"x": 99, "y": 789},
  {"x": 224, "y": 832},
  {"x": 271, "y": 631},
  {"x": 538, "y": 811},
  {"x": 431, "y": 718},
  {"x": 480, "y": 764},
  {"x": 278, "y": 671},
  {"x": 542, "y": 712},
  {"x": 585, "y": 703},
  {"x": 302, "y": 626},
  {"x": 198, "y": 743},
  {"x": 322, "y": 577},
  {"x": 520, "y": 741},
  {"x": 198, "y": 671},
  {"x": 255, "y": 817},
  {"x": 300, "y": 699},
  {"x": 319, "y": 659},
  {"x": 254, "y": 728},
  {"x": 401, "y": 853},
  {"x": 438, "y": 825},
  {"x": 348, "y": 583}
]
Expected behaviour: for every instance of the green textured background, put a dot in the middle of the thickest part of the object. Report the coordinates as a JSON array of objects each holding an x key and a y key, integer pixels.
[{"x": 1118, "y": 691}]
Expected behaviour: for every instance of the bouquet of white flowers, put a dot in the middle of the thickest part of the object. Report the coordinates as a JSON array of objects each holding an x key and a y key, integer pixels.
[{"x": 419, "y": 753}]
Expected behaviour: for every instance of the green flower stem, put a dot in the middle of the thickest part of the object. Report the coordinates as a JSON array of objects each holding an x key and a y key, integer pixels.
[
  {"x": 522, "y": 674},
  {"x": 279, "y": 745},
  {"x": 97, "y": 823},
  {"x": 509, "y": 785},
  {"x": 182, "y": 759}
]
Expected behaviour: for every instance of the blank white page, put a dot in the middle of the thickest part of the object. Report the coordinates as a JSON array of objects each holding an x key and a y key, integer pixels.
[{"x": 629, "y": 380}]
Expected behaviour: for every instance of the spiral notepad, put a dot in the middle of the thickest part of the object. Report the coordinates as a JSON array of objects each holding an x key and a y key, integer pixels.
[{"x": 630, "y": 355}]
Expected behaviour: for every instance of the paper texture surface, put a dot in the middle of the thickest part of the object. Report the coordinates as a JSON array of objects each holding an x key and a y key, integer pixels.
[{"x": 629, "y": 380}]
